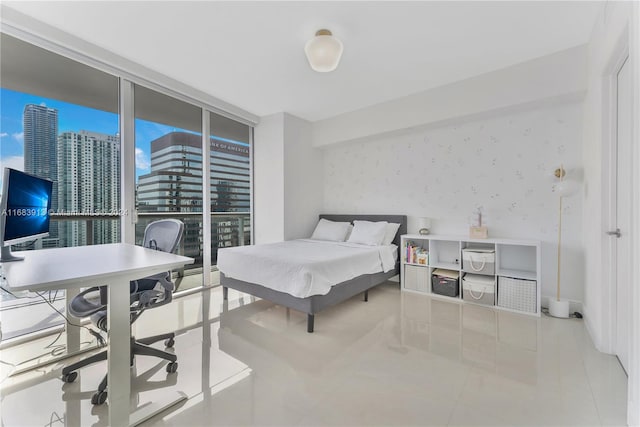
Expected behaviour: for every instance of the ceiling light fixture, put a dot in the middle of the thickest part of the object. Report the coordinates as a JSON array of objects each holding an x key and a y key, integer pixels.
[{"x": 323, "y": 51}]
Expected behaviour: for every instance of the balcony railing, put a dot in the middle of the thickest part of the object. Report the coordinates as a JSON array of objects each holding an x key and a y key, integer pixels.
[{"x": 227, "y": 229}]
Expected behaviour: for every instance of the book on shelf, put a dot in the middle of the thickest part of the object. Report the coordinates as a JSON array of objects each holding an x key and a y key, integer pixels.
[{"x": 416, "y": 254}]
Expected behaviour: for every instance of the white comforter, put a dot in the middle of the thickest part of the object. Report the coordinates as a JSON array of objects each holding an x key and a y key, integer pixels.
[{"x": 304, "y": 267}]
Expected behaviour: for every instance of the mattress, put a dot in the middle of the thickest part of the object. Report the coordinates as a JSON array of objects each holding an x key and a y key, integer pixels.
[{"x": 304, "y": 267}]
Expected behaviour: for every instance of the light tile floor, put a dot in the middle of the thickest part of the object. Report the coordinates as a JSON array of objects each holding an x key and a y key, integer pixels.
[{"x": 400, "y": 359}]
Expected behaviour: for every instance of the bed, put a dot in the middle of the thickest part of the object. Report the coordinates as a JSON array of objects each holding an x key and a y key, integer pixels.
[{"x": 314, "y": 303}]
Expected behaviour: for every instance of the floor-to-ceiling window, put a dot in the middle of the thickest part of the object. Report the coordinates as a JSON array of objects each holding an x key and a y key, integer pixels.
[
  {"x": 168, "y": 135},
  {"x": 59, "y": 120},
  {"x": 230, "y": 169}
]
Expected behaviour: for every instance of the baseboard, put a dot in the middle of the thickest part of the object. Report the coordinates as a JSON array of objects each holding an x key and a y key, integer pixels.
[{"x": 573, "y": 305}]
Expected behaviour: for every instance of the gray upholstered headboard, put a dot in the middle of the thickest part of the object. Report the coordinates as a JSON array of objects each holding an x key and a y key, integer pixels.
[{"x": 398, "y": 219}]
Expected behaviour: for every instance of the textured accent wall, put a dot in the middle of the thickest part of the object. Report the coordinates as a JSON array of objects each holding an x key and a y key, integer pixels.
[{"x": 504, "y": 164}]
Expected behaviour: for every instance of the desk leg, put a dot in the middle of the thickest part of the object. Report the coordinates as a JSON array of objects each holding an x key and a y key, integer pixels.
[
  {"x": 119, "y": 375},
  {"x": 73, "y": 332}
]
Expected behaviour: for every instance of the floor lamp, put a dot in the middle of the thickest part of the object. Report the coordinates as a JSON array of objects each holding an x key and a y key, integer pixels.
[{"x": 562, "y": 188}]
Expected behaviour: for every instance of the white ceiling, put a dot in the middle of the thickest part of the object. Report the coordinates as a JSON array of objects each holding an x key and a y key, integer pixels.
[{"x": 250, "y": 54}]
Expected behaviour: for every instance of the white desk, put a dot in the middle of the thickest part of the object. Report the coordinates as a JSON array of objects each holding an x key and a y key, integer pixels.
[{"x": 114, "y": 265}]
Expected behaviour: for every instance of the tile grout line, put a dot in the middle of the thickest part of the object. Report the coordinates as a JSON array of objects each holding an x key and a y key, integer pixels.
[
  {"x": 464, "y": 385},
  {"x": 593, "y": 396}
]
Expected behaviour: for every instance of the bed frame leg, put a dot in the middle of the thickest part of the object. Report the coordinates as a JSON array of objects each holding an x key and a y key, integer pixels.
[
  {"x": 310, "y": 323},
  {"x": 225, "y": 293},
  {"x": 366, "y": 296}
]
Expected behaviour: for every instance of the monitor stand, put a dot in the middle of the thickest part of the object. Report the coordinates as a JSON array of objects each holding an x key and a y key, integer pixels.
[{"x": 7, "y": 256}]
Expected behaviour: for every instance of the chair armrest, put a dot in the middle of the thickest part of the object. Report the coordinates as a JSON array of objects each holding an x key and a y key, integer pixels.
[
  {"x": 81, "y": 306},
  {"x": 152, "y": 298}
]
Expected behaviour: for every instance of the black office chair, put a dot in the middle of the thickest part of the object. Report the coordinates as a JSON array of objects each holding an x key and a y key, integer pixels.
[{"x": 149, "y": 292}]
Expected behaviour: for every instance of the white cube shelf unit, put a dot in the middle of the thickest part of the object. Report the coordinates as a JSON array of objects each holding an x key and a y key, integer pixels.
[{"x": 518, "y": 262}]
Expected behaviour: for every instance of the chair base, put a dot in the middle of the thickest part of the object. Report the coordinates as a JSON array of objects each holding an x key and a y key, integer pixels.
[{"x": 138, "y": 347}]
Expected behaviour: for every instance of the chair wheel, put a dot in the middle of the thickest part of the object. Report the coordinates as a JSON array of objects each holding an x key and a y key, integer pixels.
[
  {"x": 70, "y": 377},
  {"x": 168, "y": 343},
  {"x": 172, "y": 367},
  {"x": 99, "y": 397}
]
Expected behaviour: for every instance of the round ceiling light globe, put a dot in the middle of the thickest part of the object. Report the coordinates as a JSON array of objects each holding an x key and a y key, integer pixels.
[{"x": 323, "y": 52}]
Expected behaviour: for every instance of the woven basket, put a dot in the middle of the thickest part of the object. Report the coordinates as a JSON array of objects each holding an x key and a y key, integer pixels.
[{"x": 517, "y": 294}]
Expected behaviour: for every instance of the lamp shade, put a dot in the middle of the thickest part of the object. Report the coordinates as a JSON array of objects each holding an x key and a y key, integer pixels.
[
  {"x": 323, "y": 51},
  {"x": 424, "y": 224},
  {"x": 565, "y": 188}
]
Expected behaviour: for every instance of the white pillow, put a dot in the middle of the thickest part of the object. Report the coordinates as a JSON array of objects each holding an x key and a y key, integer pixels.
[
  {"x": 368, "y": 233},
  {"x": 390, "y": 233},
  {"x": 331, "y": 230}
]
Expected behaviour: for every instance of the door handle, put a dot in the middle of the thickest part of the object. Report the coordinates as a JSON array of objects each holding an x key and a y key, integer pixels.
[{"x": 614, "y": 233}]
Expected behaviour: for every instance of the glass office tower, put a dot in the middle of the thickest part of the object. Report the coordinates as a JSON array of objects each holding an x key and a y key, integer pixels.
[
  {"x": 40, "y": 126},
  {"x": 175, "y": 183}
]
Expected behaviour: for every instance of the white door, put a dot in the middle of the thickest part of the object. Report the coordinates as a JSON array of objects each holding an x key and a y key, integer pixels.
[{"x": 623, "y": 209}]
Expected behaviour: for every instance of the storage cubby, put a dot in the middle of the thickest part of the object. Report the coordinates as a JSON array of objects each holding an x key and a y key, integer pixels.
[
  {"x": 516, "y": 262},
  {"x": 417, "y": 247},
  {"x": 444, "y": 254},
  {"x": 479, "y": 258},
  {"x": 417, "y": 277},
  {"x": 478, "y": 245}
]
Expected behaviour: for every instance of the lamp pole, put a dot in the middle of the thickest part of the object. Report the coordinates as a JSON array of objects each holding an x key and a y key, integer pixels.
[
  {"x": 558, "y": 307},
  {"x": 559, "y": 246}
]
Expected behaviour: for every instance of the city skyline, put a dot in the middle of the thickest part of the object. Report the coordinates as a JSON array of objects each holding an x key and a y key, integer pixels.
[
  {"x": 78, "y": 160},
  {"x": 72, "y": 118}
]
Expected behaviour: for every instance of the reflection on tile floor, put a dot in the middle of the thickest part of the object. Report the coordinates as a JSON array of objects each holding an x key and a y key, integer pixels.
[{"x": 400, "y": 359}]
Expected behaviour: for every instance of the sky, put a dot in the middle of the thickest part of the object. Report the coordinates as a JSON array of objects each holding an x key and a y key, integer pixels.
[{"x": 71, "y": 117}]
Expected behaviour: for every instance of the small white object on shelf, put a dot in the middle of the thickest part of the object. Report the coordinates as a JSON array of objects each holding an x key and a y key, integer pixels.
[
  {"x": 477, "y": 230},
  {"x": 424, "y": 224}
]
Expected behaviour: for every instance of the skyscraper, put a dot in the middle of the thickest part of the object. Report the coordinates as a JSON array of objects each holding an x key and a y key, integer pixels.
[
  {"x": 88, "y": 182},
  {"x": 40, "y": 126}
]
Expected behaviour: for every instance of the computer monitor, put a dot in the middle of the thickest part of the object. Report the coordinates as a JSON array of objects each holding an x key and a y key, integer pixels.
[{"x": 24, "y": 209}]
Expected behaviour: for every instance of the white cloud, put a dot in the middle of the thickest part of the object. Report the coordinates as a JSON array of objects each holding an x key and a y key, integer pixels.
[
  {"x": 18, "y": 136},
  {"x": 13, "y": 162},
  {"x": 3, "y": 134},
  {"x": 142, "y": 161}
]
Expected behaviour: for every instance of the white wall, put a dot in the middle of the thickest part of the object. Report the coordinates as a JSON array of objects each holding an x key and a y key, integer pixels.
[
  {"x": 633, "y": 393},
  {"x": 609, "y": 32},
  {"x": 561, "y": 75},
  {"x": 288, "y": 179},
  {"x": 268, "y": 175},
  {"x": 303, "y": 186},
  {"x": 503, "y": 163},
  {"x": 616, "y": 29}
]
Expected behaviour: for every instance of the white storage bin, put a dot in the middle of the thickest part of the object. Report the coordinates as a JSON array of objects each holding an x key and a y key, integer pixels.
[
  {"x": 416, "y": 278},
  {"x": 479, "y": 261},
  {"x": 479, "y": 289},
  {"x": 517, "y": 294}
]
